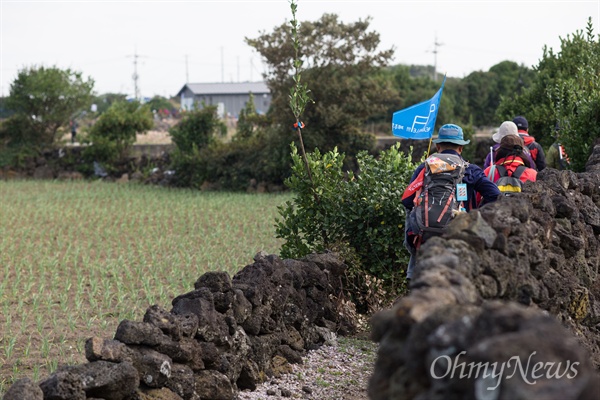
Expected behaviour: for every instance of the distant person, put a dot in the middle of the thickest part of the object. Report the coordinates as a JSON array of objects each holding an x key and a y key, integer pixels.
[
  {"x": 507, "y": 128},
  {"x": 557, "y": 157},
  {"x": 536, "y": 150},
  {"x": 510, "y": 168},
  {"x": 73, "y": 125}
]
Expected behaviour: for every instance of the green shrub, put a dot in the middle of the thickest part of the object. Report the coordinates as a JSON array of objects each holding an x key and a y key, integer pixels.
[
  {"x": 102, "y": 150},
  {"x": 17, "y": 130},
  {"x": 198, "y": 129},
  {"x": 360, "y": 214},
  {"x": 195, "y": 138},
  {"x": 113, "y": 133},
  {"x": 231, "y": 166},
  {"x": 250, "y": 123},
  {"x": 121, "y": 123},
  {"x": 189, "y": 167}
]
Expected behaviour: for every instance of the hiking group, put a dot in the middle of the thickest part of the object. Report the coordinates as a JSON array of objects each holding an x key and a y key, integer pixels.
[{"x": 445, "y": 185}]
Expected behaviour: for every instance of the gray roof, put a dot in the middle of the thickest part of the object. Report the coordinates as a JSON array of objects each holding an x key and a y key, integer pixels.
[{"x": 227, "y": 88}]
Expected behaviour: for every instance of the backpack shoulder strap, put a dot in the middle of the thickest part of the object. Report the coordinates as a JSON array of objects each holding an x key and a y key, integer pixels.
[
  {"x": 501, "y": 170},
  {"x": 519, "y": 171}
]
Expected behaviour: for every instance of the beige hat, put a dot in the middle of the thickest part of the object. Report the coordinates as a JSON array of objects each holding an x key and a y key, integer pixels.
[{"x": 507, "y": 128}]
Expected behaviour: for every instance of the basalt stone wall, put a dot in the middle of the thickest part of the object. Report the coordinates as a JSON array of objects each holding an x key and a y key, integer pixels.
[
  {"x": 506, "y": 305},
  {"x": 228, "y": 334},
  {"x": 67, "y": 163}
]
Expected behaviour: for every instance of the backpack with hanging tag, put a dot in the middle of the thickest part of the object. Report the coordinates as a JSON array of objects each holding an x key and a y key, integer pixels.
[
  {"x": 441, "y": 196},
  {"x": 509, "y": 184}
]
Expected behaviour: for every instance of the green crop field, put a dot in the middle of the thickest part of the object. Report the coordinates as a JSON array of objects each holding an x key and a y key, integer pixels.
[{"x": 76, "y": 258}]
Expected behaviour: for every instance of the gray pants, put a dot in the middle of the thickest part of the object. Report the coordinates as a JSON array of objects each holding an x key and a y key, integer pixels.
[{"x": 413, "y": 253}]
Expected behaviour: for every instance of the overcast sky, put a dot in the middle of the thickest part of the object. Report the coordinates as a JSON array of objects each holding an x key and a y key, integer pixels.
[{"x": 204, "y": 40}]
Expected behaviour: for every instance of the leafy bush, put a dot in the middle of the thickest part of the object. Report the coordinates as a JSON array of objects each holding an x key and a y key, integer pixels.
[
  {"x": 194, "y": 138},
  {"x": 360, "y": 214},
  {"x": 121, "y": 122},
  {"x": 190, "y": 168},
  {"x": 113, "y": 133},
  {"x": 231, "y": 166},
  {"x": 102, "y": 150},
  {"x": 197, "y": 129},
  {"x": 17, "y": 130},
  {"x": 250, "y": 123}
]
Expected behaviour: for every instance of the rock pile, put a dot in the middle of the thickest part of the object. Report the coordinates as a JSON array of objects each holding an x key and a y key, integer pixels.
[
  {"x": 228, "y": 334},
  {"x": 506, "y": 305}
]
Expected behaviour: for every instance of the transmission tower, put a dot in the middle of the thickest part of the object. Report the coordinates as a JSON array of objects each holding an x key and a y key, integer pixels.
[{"x": 436, "y": 44}]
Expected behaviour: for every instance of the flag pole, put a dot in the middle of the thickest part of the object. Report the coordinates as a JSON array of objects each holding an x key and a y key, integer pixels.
[{"x": 429, "y": 147}]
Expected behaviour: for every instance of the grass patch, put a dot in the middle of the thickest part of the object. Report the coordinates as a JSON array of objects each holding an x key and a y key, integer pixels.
[{"x": 76, "y": 258}]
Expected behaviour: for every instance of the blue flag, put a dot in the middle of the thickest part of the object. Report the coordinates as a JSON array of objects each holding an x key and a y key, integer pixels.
[{"x": 418, "y": 121}]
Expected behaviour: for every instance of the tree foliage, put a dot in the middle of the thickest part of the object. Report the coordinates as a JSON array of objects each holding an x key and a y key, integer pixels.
[
  {"x": 359, "y": 214},
  {"x": 340, "y": 64},
  {"x": 192, "y": 137},
  {"x": 577, "y": 99},
  {"x": 104, "y": 101},
  {"x": 413, "y": 87},
  {"x": 47, "y": 98},
  {"x": 483, "y": 91},
  {"x": 565, "y": 91},
  {"x": 249, "y": 121},
  {"x": 197, "y": 129},
  {"x": 119, "y": 125},
  {"x": 159, "y": 103},
  {"x": 472, "y": 100}
]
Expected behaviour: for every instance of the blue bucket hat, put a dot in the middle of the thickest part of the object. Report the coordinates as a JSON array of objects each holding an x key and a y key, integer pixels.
[{"x": 451, "y": 133}]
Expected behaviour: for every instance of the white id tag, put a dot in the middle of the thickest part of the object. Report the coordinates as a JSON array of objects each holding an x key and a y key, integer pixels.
[{"x": 461, "y": 192}]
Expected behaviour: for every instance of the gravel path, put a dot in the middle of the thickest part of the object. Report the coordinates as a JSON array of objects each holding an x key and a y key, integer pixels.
[{"x": 338, "y": 371}]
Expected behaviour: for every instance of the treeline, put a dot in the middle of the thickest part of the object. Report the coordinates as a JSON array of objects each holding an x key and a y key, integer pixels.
[{"x": 353, "y": 93}]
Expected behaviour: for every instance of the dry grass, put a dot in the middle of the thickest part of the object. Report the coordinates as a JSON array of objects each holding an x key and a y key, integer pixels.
[
  {"x": 153, "y": 137},
  {"x": 158, "y": 135}
]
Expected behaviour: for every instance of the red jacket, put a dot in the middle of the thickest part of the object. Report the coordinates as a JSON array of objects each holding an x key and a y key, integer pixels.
[
  {"x": 511, "y": 165},
  {"x": 536, "y": 150}
]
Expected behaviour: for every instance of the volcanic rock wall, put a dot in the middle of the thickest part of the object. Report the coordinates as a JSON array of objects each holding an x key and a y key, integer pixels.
[
  {"x": 226, "y": 335},
  {"x": 506, "y": 305}
]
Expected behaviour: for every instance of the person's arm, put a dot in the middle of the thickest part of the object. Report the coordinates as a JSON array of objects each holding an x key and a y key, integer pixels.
[
  {"x": 488, "y": 161},
  {"x": 485, "y": 187},
  {"x": 409, "y": 194}
]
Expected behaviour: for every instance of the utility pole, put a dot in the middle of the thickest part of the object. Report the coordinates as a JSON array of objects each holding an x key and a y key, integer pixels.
[
  {"x": 251, "y": 68},
  {"x": 222, "y": 67},
  {"x": 187, "y": 77},
  {"x": 135, "y": 75},
  {"x": 436, "y": 44}
]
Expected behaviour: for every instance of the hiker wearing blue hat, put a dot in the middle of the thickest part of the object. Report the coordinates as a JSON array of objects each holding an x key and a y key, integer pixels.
[
  {"x": 441, "y": 187},
  {"x": 451, "y": 133}
]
